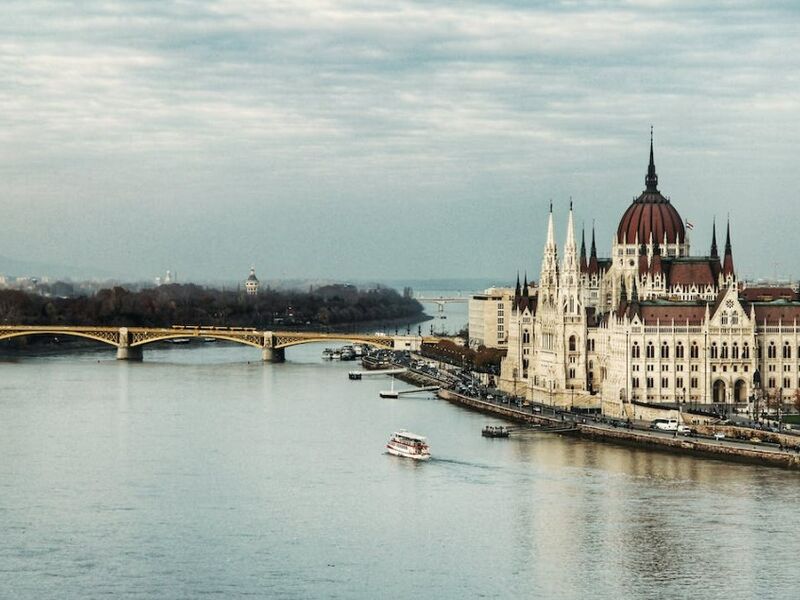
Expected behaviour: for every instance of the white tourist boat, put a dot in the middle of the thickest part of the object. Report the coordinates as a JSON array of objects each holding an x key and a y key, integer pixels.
[{"x": 408, "y": 445}]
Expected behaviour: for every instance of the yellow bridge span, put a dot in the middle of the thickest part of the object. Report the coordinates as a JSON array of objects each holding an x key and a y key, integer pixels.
[{"x": 129, "y": 340}]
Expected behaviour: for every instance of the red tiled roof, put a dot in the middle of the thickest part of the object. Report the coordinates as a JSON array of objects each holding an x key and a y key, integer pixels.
[
  {"x": 765, "y": 294},
  {"x": 680, "y": 313},
  {"x": 773, "y": 313},
  {"x": 700, "y": 272}
]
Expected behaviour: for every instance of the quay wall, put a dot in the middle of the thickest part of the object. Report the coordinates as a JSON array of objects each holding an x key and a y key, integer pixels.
[
  {"x": 707, "y": 448},
  {"x": 506, "y": 412},
  {"x": 722, "y": 450}
]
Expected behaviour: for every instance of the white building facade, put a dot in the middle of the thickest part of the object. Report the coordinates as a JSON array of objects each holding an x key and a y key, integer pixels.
[{"x": 651, "y": 323}]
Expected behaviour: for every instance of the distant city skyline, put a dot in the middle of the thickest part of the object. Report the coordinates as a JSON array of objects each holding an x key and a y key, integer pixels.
[{"x": 371, "y": 140}]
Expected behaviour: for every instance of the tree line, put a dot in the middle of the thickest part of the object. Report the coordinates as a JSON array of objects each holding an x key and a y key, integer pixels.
[{"x": 188, "y": 304}]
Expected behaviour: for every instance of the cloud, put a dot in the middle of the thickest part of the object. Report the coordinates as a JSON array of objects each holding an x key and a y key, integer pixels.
[{"x": 274, "y": 105}]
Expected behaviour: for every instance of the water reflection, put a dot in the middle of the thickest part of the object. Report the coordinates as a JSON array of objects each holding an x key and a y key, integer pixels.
[{"x": 120, "y": 478}]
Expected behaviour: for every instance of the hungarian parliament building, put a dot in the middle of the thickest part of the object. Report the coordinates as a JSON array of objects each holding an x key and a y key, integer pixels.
[{"x": 651, "y": 323}]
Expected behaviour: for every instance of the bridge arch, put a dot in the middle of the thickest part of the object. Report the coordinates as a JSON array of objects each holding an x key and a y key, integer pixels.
[
  {"x": 286, "y": 341},
  {"x": 142, "y": 339},
  {"x": 110, "y": 338}
]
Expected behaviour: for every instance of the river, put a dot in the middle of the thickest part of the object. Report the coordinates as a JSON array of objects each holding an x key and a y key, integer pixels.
[{"x": 202, "y": 472}]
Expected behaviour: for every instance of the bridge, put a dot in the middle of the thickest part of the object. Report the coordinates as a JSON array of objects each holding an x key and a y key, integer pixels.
[{"x": 129, "y": 340}]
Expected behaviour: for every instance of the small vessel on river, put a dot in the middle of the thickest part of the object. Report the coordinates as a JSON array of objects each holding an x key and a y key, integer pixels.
[
  {"x": 408, "y": 445},
  {"x": 495, "y": 431},
  {"x": 389, "y": 393}
]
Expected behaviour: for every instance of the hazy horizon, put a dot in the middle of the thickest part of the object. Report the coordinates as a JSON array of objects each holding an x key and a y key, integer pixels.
[{"x": 374, "y": 140}]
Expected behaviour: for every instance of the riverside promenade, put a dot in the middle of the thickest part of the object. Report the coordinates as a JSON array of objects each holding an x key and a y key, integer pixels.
[{"x": 618, "y": 432}]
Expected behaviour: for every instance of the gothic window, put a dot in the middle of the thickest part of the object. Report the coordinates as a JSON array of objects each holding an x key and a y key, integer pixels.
[
  {"x": 635, "y": 351},
  {"x": 771, "y": 382},
  {"x": 694, "y": 351},
  {"x": 724, "y": 318},
  {"x": 664, "y": 350},
  {"x": 679, "y": 382},
  {"x": 694, "y": 382},
  {"x": 572, "y": 343},
  {"x": 665, "y": 382},
  {"x": 714, "y": 350},
  {"x": 679, "y": 350},
  {"x": 772, "y": 351},
  {"x": 786, "y": 382},
  {"x": 526, "y": 337},
  {"x": 724, "y": 352},
  {"x": 590, "y": 345},
  {"x": 649, "y": 382},
  {"x": 635, "y": 382},
  {"x": 787, "y": 351},
  {"x": 734, "y": 318},
  {"x": 572, "y": 373},
  {"x": 735, "y": 350},
  {"x": 651, "y": 351}
]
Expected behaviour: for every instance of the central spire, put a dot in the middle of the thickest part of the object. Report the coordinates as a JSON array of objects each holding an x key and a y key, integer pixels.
[{"x": 651, "y": 181}]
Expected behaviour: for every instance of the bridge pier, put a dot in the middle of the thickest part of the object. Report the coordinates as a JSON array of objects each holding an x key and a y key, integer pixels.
[
  {"x": 273, "y": 355},
  {"x": 129, "y": 353}
]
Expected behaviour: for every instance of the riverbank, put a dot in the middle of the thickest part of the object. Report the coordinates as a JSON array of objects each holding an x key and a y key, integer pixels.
[{"x": 721, "y": 449}]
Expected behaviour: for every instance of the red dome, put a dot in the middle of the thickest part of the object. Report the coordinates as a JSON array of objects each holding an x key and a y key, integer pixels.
[{"x": 650, "y": 213}]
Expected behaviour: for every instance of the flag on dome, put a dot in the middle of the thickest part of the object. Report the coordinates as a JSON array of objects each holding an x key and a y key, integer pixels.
[{"x": 689, "y": 225}]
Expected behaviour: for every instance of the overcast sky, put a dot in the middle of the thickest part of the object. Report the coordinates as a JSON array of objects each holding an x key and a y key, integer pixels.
[{"x": 366, "y": 139}]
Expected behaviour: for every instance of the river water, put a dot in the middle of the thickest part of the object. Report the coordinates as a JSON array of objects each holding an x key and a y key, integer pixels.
[{"x": 203, "y": 473}]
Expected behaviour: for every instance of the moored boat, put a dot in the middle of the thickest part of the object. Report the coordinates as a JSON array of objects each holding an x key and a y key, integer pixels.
[
  {"x": 408, "y": 445},
  {"x": 495, "y": 431}
]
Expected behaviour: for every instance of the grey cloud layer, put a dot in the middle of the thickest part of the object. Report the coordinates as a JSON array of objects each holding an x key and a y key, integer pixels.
[{"x": 275, "y": 105}]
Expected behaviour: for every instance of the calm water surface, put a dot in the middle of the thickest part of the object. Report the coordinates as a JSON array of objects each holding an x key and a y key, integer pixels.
[{"x": 200, "y": 474}]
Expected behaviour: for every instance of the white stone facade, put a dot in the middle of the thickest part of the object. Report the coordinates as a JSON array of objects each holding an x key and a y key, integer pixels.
[{"x": 651, "y": 324}]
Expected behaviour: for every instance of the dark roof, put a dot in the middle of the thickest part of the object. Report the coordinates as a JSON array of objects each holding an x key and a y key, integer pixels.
[
  {"x": 778, "y": 311},
  {"x": 698, "y": 270},
  {"x": 766, "y": 294},
  {"x": 680, "y": 312}
]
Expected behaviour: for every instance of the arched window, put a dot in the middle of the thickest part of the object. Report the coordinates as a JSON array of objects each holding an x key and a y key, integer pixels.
[
  {"x": 787, "y": 350},
  {"x": 694, "y": 351},
  {"x": 714, "y": 350},
  {"x": 735, "y": 350},
  {"x": 724, "y": 352},
  {"x": 664, "y": 350},
  {"x": 651, "y": 350},
  {"x": 679, "y": 350},
  {"x": 526, "y": 337},
  {"x": 635, "y": 350},
  {"x": 724, "y": 318},
  {"x": 734, "y": 318},
  {"x": 771, "y": 350},
  {"x": 572, "y": 343},
  {"x": 745, "y": 350}
]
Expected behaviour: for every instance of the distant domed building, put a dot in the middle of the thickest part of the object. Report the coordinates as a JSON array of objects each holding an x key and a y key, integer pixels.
[
  {"x": 649, "y": 324},
  {"x": 251, "y": 283}
]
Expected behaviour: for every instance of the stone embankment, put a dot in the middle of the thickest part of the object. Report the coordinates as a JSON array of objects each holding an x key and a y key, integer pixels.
[{"x": 720, "y": 449}]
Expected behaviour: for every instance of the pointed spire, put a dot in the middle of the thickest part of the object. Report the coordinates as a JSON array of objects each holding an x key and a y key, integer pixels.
[
  {"x": 727, "y": 264},
  {"x": 634, "y": 292},
  {"x": 714, "y": 253},
  {"x": 517, "y": 289},
  {"x": 651, "y": 181},
  {"x": 584, "y": 264},
  {"x": 551, "y": 236},
  {"x": 570, "y": 242},
  {"x": 593, "y": 267},
  {"x": 525, "y": 286}
]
